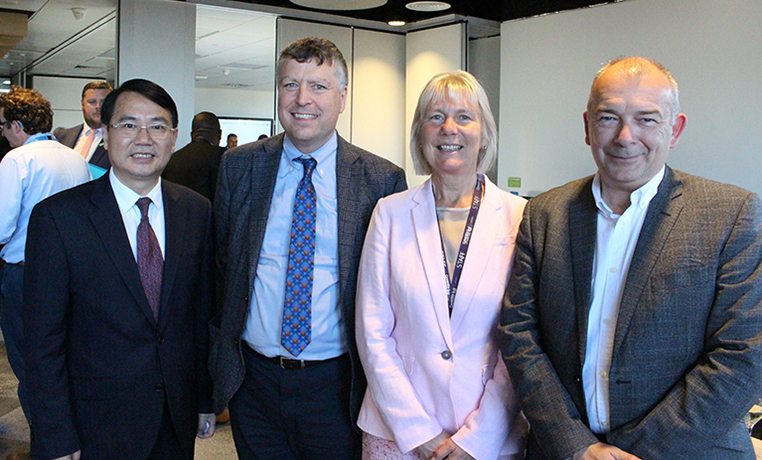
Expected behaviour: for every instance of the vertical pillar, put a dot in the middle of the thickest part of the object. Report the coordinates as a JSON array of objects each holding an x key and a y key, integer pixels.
[{"x": 156, "y": 40}]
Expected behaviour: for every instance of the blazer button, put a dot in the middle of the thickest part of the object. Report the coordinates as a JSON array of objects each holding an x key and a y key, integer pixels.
[
  {"x": 446, "y": 355},
  {"x": 158, "y": 387}
]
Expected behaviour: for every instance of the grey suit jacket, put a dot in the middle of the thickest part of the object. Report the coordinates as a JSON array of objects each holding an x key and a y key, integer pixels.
[
  {"x": 69, "y": 136},
  {"x": 245, "y": 188},
  {"x": 687, "y": 359}
]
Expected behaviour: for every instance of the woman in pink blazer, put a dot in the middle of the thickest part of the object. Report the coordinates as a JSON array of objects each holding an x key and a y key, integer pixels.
[{"x": 431, "y": 281}]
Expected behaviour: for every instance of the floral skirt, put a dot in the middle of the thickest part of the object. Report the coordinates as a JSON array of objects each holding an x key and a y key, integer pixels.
[{"x": 375, "y": 448}]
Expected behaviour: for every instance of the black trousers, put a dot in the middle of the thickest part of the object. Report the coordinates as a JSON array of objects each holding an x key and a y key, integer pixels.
[
  {"x": 281, "y": 414},
  {"x": 167, "y": 446}
]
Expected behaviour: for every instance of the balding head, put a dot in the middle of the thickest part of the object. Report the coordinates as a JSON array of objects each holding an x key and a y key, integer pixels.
[{"x": 637, "y": 68}]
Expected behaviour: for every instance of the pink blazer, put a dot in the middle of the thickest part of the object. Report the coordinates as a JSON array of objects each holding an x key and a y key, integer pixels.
[{"x": 426, "y": 371}]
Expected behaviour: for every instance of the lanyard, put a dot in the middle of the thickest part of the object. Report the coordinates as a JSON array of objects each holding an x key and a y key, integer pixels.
[{"x": 452, "y": 286}]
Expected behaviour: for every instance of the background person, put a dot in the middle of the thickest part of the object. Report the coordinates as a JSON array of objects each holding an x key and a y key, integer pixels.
[
  {"x": 197, "y": 165},
  {"x": 87, "y": 138},
  {"x": 232, "y": 141},
  {"x": 632, "y": 320},
  {"x": 437, "y": 387},
  {"x": 36, "y": 168}
]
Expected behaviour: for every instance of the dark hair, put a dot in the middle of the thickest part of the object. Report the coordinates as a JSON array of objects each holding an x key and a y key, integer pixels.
[
  {"x": 96, "y": 84},
  {"x": 321, "y": 50},
  {"x": 231, "y": 135},
  {"x": 145, "y": 88},
  {"x": 28, "y": 107}
]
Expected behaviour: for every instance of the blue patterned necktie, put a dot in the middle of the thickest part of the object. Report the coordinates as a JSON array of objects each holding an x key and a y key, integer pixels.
[
  {"x": 150, "y": 262},
  {"x": 296, "y": 331}
]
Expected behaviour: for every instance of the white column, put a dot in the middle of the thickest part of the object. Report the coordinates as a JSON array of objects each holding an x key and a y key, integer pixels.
[{"x": 157, "y": 41}]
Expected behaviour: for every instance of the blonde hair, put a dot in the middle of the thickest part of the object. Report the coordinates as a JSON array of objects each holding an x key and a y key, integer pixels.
[{"x": 451, "y": 86}]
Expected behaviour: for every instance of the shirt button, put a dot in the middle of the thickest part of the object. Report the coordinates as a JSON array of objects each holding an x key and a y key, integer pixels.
[
  {"x": 607, "y": 321},
  {"x": 613, "y": 270},
  {"x": 158, "y": 387},
  {"x": 446, "y": 355},
  {"x": 604, "y": 374}
]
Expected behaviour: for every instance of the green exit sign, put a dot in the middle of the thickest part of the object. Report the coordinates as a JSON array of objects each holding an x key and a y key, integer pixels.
[{"x": 514, "y": 182}]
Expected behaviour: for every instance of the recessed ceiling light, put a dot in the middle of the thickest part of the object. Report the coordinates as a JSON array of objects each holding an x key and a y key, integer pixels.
[
  {"x": 396, "y": 23},
  {"x": 339, "y": 4},
  {"x": 427, "y": 6}
]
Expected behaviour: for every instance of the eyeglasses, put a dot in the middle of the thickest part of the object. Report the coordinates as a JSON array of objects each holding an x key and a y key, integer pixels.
[
  {"x": 155, "y": 130},
  {"x": 6, "y": 124}
]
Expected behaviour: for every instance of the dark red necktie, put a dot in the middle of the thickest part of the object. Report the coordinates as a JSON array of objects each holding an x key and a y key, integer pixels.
[{"x": 150, "y": 262}]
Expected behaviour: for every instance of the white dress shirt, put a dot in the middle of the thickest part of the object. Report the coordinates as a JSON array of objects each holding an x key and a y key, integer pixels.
[
  {"x": 617, "y": 236},
  {"x": 29, "y": 174},
  {"x": 263, "y": 325},
  {"x": 127, "y": 199},
  {"x": 82, "y": 140}
]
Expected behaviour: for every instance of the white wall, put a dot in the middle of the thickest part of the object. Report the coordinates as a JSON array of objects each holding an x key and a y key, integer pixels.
[
  {"x": 235, "y": 102},
  {"x": 713, "y": 48},
  {"x": 378, "y": 105},
  {"x": 484, "y": 64},
  {"x": 157, "y": 41}
]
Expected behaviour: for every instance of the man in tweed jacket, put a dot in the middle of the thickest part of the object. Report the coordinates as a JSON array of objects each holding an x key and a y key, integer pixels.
[
  {"x": 632, "y": 321},
  {"x": 285, "y": 405}
]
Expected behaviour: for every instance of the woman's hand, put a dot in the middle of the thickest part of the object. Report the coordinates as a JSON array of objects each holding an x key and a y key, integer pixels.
[
  {"x": 427, "y": 449},
  {"x": 451, "y": 451}
]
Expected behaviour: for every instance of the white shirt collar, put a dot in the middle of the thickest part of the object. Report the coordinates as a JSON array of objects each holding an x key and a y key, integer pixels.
[
  {"x": 126, "y": 197},
  {"x": 640, "y": 197},
  {"x": 325, "y": 155}
]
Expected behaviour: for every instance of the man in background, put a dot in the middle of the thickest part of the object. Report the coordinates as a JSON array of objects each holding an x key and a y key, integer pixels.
[
  {"x": 632, "y": 320},
  {"x": 87, "y": 138},
  {"x": 197, "y": 164},
  {"x": 307, "y": 194},
  {"x": 232, "y": 141},
  {"x": 36, "y": 168},
  {"x": 117, "y": 299}
]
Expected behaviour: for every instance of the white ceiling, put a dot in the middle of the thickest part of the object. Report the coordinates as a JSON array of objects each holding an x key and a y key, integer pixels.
[{"x": 234, "y": 48}]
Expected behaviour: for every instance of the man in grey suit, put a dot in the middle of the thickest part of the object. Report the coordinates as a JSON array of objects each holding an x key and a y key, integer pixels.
[
  {"x": 87, "y": 138},
  {"x": 632, "y": 321},
  {"x": 291, "y": 376}
]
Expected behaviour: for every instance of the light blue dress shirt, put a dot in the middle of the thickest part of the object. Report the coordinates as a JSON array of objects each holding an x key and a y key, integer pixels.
[
  {"x": 29, "y": 174},
  {"x": 263, "y": 326}
]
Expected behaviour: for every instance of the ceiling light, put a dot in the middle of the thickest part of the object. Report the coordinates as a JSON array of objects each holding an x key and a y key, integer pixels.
[
  {"x": 339, "y": 4},
  {"x": 427, "y": 6},
  {"x": 396, "y": 23}
]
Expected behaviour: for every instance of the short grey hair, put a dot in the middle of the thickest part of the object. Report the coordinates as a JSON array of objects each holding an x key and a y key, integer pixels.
[
  {"x": 635, "y": 66},
  {"x": 450, "y": 85}
]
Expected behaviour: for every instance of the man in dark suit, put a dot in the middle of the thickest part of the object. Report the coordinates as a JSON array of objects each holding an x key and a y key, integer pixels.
[
  {"x": 117, "y": 298},
  {"x": 197, "y": 164},
  {"x": 292, "y": 375},
  {"x": 632, "y": 320},
  {"x": 87, "y": 138}
]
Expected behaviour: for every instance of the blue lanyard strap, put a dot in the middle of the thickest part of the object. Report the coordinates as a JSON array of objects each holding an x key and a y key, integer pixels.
[{"x": 452, "y": 285}]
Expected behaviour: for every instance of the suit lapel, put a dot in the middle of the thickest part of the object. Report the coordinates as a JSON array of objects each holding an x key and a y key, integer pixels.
[
  {"x": 663, "y": 212},
  {"x": 352, "y": 200},
  {"x": 429, "y": 243},
  {"x": 583, "y": 223},
  {"x": 174, "y": 216},
  {"x": 489, "y": 224},
  {"x": 108, "y": 223},
  {"x": 263, "y": 174}
]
